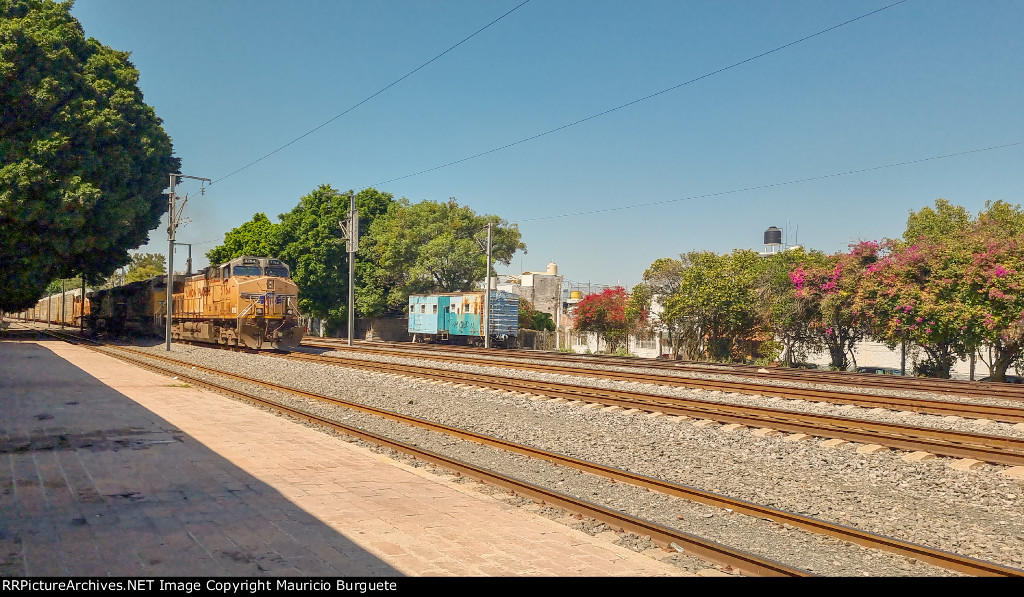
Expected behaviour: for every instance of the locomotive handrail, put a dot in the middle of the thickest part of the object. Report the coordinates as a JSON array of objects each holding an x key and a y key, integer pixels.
[{"x": 252, "y": 303}]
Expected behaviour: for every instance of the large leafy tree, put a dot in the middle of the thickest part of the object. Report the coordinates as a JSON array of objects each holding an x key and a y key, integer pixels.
[
  {"x": 661, "y": 281},
  {"x": 83, "y": 160},
  {"x": 146, "y": 265},
  {"x": 828, "y": 292},
  {"x": 780, "y": 311},
  {"x": 310, "y": 242},
  {"x": 434, "y": 247},
  {"x": 944, "y": 220},
  {"x": 910, "y": 295},
  {"x": 258, "y": 237},
  {"x": 955, "y": 290},
  {"x": 716, "y": 300},
  {"x": 308, "y": 239}
]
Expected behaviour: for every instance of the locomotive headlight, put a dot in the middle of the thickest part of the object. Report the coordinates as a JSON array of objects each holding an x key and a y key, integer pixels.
[{"x": 270, "y": 284}]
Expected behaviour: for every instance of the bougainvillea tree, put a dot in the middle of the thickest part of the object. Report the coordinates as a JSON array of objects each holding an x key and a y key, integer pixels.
[
  {"x": 912, "y": 294},
  {"x": 605, "y": 313},
  {"x": 956, "y": 290},
  {"x": 828, "y": 290},
  {"x": 781, "y": 312}
]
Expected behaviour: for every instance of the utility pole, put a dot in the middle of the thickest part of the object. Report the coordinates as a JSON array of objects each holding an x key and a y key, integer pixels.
[
  {"x": 173, "y": 219},
  {"x": 487, "y": 293},
  {"x": 350, "y": 232}
]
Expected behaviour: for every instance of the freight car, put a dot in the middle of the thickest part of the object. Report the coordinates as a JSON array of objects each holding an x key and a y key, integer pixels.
[
  {"x": 137, "y": 308},
  {"x": 457, "y": 317},
  {"x": 63, "y": 309},
  {"x": 248, "y": 301}
]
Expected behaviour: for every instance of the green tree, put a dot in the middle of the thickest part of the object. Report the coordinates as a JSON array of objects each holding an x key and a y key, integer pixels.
[
  {"x": 308, "y": 239},
  {"x": 258, "y": 237},
  {"x": 144, "y": 266},
  {"x": 83, "y": 160},
  {"x": 310, "y": 242},
  {"x": 532, "y": 319},
  {"x": 953, "y": 293},
  {"x": 909, "y": 296},
  {"x": 944, "y": 220},
  {"x": 434, "y": 247},
  {"x": 66, "y": 284},
  {"x": 716, "y": 302},
  {"x": 781, "y": 313},
  {"x": 661, "y": 281}
]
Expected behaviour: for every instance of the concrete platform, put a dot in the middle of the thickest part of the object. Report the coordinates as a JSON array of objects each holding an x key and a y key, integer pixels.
[{"x": 110, "y": 470}]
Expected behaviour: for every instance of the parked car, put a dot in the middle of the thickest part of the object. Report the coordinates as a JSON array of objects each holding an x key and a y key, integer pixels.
[{"x": 879, "y": 370}]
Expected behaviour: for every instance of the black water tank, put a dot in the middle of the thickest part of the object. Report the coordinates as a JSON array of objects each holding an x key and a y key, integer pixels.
[{"x": 773, "y": 236}]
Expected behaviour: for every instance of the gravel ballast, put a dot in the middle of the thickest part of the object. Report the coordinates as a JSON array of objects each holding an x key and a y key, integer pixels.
[{"x": 976, "y": 512}]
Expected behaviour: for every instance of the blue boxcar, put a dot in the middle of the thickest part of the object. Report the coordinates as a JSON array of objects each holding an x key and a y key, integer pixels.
[{"x": 458, "y": 317}]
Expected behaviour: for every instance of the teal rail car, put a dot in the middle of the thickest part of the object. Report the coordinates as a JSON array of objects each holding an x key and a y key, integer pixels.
[{"x": 457, "y": 317}]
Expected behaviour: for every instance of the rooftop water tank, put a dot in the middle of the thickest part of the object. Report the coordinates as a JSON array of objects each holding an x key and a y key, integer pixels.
[
  {"x": 773, "y": 236},
  {"x": 552, "y": 269}
]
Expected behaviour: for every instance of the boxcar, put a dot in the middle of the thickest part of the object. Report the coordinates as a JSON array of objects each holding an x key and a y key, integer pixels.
[{"x": 457, "y": 317}]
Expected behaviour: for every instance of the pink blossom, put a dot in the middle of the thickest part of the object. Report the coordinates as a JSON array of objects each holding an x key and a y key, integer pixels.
[{"x": 797, "y": 277}]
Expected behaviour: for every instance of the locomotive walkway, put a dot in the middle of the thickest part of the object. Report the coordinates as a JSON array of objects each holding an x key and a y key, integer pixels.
[{"x": 111, "y": 470}]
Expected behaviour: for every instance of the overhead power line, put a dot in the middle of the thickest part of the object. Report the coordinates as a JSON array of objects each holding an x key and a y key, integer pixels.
[
  {"x": 382, "y": 90},
  {"x": 644, "y": 98},
  {"x": 774, "y": 184}
]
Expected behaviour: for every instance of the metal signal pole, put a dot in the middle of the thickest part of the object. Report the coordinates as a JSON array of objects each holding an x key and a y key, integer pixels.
[
  {"x": 173, "y": 219},
  {"x": 487, "y": 293},
  {"x": 350, "y": 232}
]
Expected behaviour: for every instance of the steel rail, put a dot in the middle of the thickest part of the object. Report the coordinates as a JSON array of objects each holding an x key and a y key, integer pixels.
[
  {"x": 746, "y": 563},
  {"x": 958, "y": 387},
  {"x": 957, "y": 444},
  {"x": 1006, "y": 414},
  {"x": 663, "y": 535}
]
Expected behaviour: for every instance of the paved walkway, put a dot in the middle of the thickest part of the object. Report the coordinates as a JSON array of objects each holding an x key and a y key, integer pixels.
[{"x": 110, "y": 470}]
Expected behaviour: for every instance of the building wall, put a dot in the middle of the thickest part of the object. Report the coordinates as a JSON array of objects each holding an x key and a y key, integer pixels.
[{"x": 544, "y": 291}]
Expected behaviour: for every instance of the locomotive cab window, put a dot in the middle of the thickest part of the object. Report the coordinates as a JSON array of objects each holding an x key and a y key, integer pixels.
[
  {"x": 247, "y": 270},
  {"x": 277, "y": 270}
]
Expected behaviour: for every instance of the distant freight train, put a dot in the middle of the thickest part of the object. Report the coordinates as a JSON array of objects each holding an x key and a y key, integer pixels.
[
  {"x": 248, "y": 301},
  {"x": 457, "y": 317}
]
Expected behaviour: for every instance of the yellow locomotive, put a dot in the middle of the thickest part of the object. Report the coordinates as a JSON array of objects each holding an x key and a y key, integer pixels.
[{"x": 248, "y": 301}]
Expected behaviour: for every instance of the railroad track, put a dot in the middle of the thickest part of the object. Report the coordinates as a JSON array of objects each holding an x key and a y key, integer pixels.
[
  {"x": 843, "y": 378},
  {"x": 1005, "y": 414},
  {"x": 747, "y": 564},
  {"x": 956, "y": 444}
]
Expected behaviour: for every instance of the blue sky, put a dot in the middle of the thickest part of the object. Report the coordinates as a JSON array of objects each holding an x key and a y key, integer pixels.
[{"x": 699, "y": 167}]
